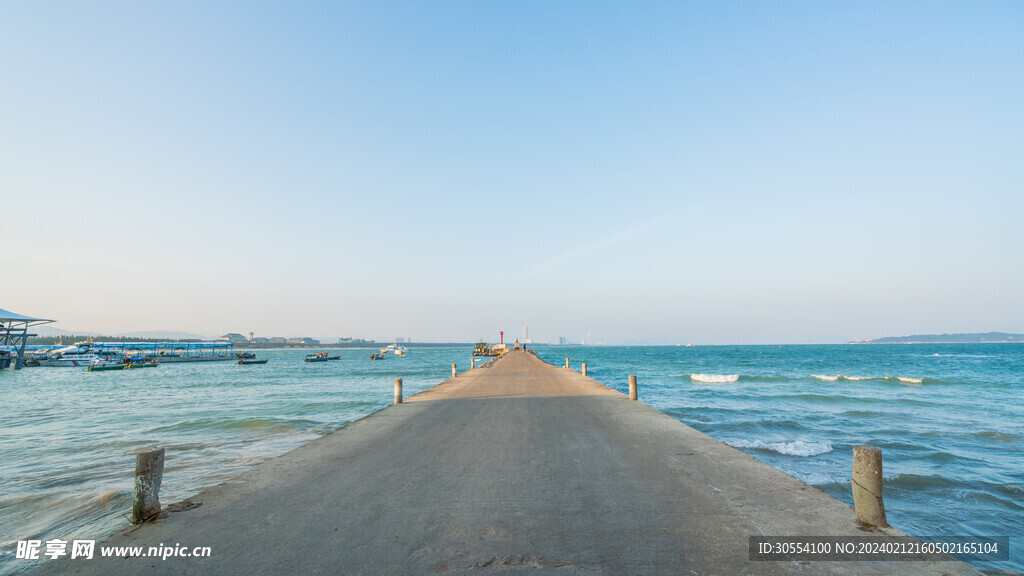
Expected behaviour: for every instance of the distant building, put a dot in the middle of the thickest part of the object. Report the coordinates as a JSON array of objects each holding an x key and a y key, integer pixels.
[
  {"x": 303, "y": 341},
  {"x": 232, "y": 337},
  {"x": 276, "y": 340},
  {"x": 260, "y": 340},
  {"x": 562, "y": 341}
]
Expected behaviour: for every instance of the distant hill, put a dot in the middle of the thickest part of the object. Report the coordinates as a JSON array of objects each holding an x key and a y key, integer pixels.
[
  {"x": 975, "y": 338},
  {"x": 49, "y": 331},
  {"x": 165, "y": 334}
]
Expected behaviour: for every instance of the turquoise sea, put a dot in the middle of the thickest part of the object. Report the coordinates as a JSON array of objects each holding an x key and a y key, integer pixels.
[{"x": 947, "y": 418}]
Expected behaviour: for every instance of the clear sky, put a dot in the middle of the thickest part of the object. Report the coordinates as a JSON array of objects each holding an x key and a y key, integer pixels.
[{"x": 652, "y": 172}]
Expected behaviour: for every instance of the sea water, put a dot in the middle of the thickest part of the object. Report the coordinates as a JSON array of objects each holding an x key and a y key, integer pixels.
[{"x": 947, "y": 418}]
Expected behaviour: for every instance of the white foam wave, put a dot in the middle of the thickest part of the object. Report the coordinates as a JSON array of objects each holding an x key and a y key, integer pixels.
[
  {"x": 906, "y": 380},
  {"x": 799, "y": 448},
  {"x": 816, "y": 478},
  {"x": 837, "y": 377},
  {"x": 714, "y": 378}
]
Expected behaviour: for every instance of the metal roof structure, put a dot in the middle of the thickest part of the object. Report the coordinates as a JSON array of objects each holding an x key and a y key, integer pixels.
[
  {"x": 13, "y": 334},
  {"x": 6, "y": 316}
]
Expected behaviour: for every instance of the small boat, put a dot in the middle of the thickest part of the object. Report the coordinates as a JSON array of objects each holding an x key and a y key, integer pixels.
[
  {"x": 396, "y": 349},
  {"x": 321, "y": 357},
  {"x": 247, "y": 361},
  {"x": 483, "y": 349},
  {"x": 379, "y": 356},
  {"x": 245, "y": 355},
  {"x": 128, "y": 364}
]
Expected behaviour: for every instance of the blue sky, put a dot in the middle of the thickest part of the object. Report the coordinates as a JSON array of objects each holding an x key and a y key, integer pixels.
[{"x": 661, "y": 172}]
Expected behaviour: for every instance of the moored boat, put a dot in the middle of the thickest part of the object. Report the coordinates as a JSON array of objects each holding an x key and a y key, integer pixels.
[
  {"x": 487, "y": 350},
  {"x": 247, "y": 361},
  {"x": 321, "y": 357},
  {"x": 396, "y": 349},
  {"x": 190, "y": 356},
  {"x": 128, "y": 364},
  {"x": 80, "y": 354}
]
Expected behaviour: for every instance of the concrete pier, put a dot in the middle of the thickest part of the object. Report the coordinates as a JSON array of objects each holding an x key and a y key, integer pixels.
[{"x": 514, "y": 467}]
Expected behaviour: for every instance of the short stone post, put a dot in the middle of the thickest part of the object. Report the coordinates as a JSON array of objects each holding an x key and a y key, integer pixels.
[
  {"x": 566, "y": 362},
  {"x": 453, "y": 370},
  {"x": 632, "y": 387},
  {"x": 472, "y": 363},
  {"x": 398, "y": 390},
  {"x": 867, "y": 486},
  {"x": 584, "y": 369},
  {"x": 149, "y": 472}
]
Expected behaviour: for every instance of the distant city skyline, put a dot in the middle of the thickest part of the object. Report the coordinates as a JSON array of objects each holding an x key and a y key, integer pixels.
[{"x": 655, "y": 173}]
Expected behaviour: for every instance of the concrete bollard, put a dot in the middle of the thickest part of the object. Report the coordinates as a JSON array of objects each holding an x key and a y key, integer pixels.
[
  {"x": 453, "y": 370},
  {"x": 632, "y": 388},
  {"x": 584, "y": 370},
  {"x": 867, "y": 486},
  {"x": 398, "y": 390},
  {"x": 149, "y": 472},
  {"x": 472, "y": 363},
  {"x": 566, "y": 362}
]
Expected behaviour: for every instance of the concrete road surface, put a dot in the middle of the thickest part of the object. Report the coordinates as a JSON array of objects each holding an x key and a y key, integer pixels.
[{"x": 516, "y": 467}]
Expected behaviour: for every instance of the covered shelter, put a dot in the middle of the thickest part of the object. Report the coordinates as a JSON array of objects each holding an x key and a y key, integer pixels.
[{"x": 13, "y": 334}]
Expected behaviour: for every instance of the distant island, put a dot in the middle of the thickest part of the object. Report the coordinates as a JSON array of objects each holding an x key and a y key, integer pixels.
[{"x": 975, "y": 338}]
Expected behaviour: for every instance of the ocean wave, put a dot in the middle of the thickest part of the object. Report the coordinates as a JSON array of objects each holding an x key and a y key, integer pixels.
[
  {"x": 840, "y": 378},
  {"x": 1014, "y": 489},
  {"x": 995, "y": 435},
  {"x": 942, "y": 457},
  {"x": 902, "y": 379},
  {"x": 714, "y": 378},
  {"x": 834, "y": 399},
  {"x": 800, "y": 448},
  {"x": 918, "y": 481},
  {"x": 864, "y": 414},
  {"x": 819, "y": 479},
  {"x": 255, "y": 424}
]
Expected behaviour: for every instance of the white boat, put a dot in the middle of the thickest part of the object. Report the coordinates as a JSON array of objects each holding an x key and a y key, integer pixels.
[
  {"x": 396, "y": 350},
  {"x": 80, "y": 354},
  {"x": 7, "y": 355}
]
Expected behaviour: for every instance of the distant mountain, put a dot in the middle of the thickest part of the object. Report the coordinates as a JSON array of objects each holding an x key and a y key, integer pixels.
[
  {"x": 49, "y": 330},
  {"x": 166, "y": 334},
  {"x": 975, "y": 338}
]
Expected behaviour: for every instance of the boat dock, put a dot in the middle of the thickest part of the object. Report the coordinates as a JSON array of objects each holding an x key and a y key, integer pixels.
[{"x": 516, "y": 466}]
